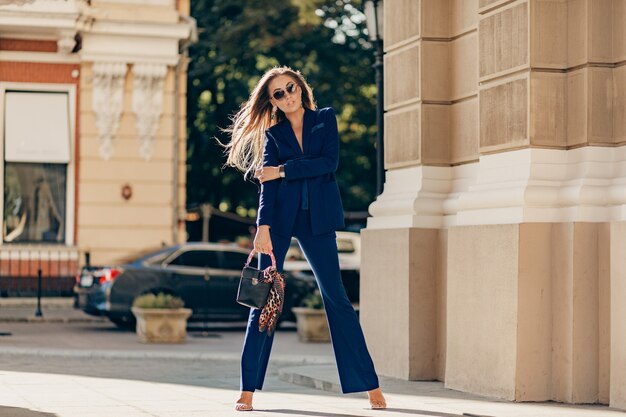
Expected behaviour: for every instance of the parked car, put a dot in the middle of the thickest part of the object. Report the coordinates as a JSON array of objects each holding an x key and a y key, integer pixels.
[
  {"x": 205, "y": 275},
  {"x": 349, "y": 250}
]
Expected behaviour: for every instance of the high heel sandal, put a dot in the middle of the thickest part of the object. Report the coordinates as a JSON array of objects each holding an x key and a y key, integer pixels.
[
  {"x": 243, "y": 407},
  {"x": 378, "y": 405}
]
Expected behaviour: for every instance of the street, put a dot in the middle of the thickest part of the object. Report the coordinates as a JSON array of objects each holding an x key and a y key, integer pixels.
[
  {"x": 94, "y": 369},
  {"x": 67, "y": 364}
]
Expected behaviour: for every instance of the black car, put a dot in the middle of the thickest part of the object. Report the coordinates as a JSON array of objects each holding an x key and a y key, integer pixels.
[{"x": 205, "y": 275}]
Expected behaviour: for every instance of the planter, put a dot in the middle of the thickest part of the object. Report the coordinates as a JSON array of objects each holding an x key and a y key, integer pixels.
[
  {"x": 312, "y": 324},
  {"x": 161, "y": 325}
]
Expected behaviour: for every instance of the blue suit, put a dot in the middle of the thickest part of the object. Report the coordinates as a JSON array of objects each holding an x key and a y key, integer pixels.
[
  {"x": 307, "y": 204},
  {"x": 308, "y": 173}
]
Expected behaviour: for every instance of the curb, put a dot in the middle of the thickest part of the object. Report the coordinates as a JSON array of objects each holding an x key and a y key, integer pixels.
[
  {"x": 51, "y": 320},
  {"x": 284, "y": 360},
  {"x": 309, "y": 376},
  {"x": 48, "y": 302}
]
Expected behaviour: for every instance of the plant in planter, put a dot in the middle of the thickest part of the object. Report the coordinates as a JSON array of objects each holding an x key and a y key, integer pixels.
[
  {"x": 311, "y": 321},
  {"x": 161, "y": 318}
]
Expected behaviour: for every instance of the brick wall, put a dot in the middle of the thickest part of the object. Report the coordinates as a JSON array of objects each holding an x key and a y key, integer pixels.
[{"x": 8, "y": 44}]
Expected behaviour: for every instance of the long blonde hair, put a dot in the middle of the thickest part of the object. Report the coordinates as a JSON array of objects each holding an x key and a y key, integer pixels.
[{"x": 245, "y": 149}]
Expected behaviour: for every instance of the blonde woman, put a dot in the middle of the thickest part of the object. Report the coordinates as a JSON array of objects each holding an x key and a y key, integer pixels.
[{"x": 292, "y": 148}]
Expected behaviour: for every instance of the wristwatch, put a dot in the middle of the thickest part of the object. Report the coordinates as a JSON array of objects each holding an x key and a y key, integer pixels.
[{"x": 281, "y": 171}]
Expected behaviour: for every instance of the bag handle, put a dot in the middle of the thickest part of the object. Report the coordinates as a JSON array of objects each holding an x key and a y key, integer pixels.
[{"x": 254, "y": 251}]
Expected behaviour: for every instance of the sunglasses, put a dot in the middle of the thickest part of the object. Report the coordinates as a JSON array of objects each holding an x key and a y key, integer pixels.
[{"x": 280, "y": 94}]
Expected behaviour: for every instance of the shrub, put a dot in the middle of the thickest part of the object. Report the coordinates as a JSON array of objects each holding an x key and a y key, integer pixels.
[
  {"x": 313, "y": 300},
  {"x": 161, "y": 300}
]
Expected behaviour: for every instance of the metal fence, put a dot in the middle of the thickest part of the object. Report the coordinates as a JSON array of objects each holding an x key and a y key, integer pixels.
[{"x": 20, "y": 268}]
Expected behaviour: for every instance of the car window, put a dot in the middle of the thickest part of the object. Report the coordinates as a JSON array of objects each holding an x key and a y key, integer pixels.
[
  {"x": 235, "y": 260},
  {"x": 157, "y": 258},
  {"x": 150, "y": 255},
  {"x": 345, "y": 246},
  {"x": 197, "y": 258}
]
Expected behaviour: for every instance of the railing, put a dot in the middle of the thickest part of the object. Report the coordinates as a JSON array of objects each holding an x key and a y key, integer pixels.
[{"x": 20, "y": 266}]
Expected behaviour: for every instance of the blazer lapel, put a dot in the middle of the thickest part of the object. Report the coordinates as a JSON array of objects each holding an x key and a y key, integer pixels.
[
  {"x": 290, "y": 136},
  {"x": 307, "y": 125}
]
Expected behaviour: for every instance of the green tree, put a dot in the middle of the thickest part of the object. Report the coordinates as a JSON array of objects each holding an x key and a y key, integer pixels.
[{"x": 238, "y": 41}]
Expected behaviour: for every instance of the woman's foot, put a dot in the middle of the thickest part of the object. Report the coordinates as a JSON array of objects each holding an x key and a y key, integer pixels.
[
  {"x": 377, "y": 400},
  {"x": 244, "y": 403}
]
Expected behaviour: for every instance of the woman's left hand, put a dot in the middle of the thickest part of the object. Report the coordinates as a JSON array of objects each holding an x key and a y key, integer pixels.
[{"x": 266, "y": 174}]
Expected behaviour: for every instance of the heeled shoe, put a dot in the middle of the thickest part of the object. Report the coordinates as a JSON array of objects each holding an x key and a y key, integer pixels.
[
  {"x": 378, "y": 405},
  {"x": 243, "y": 407}
]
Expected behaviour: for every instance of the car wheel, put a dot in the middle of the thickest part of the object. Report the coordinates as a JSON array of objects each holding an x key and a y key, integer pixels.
[{"x": 124, "y": 323}]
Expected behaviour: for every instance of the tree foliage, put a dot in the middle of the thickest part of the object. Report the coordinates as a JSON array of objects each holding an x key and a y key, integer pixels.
[{"x": 238, "y": 41}]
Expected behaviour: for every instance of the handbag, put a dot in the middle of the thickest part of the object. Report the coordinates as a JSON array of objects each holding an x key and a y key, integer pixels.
[
  {"x": 253, "y": 290},
  {"x": 263, "y": 289}
]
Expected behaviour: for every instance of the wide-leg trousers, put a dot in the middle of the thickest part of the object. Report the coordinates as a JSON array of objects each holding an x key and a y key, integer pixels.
[{"x": 355, "y": 366}]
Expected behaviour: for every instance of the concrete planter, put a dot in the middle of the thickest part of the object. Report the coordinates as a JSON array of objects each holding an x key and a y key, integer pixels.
[
  {"x": 161, "y": 325},
  {"x": 312, "y": 324}
]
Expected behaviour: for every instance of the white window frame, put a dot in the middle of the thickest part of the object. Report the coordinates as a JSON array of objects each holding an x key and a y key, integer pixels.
[{"x": 70, "y": 189}]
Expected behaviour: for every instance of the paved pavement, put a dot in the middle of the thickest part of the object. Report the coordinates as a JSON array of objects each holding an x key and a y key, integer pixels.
[{"x": 72, "y": 368}]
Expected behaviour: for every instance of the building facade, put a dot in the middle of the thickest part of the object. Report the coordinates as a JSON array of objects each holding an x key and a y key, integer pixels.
[
  {"x": 92, "y": 100},
  {"x": 494, "y": 259}
]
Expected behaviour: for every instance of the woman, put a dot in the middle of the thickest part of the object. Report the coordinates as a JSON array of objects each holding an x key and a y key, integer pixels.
[{"x": 293, "y": 150}]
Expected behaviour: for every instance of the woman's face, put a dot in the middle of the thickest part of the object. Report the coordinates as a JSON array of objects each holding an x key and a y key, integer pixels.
[{"x": 285, "y": 93}]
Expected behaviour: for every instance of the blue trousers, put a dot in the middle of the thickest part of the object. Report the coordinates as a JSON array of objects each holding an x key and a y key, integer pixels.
[{"x": 355, "y": 366}]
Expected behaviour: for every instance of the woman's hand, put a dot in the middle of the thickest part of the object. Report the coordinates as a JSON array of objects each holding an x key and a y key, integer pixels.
[
  {"x": 266, "y": 174},
  {"x": 262, "y": 240}
]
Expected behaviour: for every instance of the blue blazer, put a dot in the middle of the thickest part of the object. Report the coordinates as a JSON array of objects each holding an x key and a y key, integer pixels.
[{"x": 309, "y": 175}]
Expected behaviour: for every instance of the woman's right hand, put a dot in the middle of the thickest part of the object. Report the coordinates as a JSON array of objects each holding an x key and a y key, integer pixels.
[{"x": 262, "y": 240}]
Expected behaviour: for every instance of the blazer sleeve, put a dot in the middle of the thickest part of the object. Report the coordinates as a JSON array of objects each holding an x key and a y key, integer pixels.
[
  {"x": 327, "y": 162},
  {"x": 269, "y": 189}
]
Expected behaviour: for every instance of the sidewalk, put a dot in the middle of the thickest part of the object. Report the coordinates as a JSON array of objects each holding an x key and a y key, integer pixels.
[
  {"x": 54, "y": 309},
  {"x": 91, "y": 369}
]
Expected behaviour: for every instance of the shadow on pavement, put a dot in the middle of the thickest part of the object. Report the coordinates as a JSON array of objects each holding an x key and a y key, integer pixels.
[
  {"x": 397, "y": 410},
  {"x": 291, "y": 412},
  {"x": 22, "y": 412}
]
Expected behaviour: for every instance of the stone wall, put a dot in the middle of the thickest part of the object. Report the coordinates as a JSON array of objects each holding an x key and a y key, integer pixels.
[{"x": 503, "y": 203}]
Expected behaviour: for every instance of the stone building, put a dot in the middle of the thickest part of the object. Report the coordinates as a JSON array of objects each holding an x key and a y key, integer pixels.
[
  {"x": 495, "y": 258},
  {"x": 92, "y": 100}
]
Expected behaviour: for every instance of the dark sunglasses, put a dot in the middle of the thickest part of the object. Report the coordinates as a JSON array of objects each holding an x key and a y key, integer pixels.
[{"x": 280, "y": 94}]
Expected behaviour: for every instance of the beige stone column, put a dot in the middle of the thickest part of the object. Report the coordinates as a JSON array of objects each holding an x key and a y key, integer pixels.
[
  {"x": 527, "y": 315},
  {"x": 421, "y": 104},
  {"x": 399, "y": 315},
  {"x": 504, "y": 126},
  {"x": 482, "y": 302},
  {"x": 543, "y": 75},
  {"x": 618, "y": 312}
]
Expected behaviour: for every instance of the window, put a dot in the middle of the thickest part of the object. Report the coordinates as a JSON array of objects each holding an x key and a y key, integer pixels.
[
  {"x": 34, "y": 202},
  {"x": 197, "y": 259},
  {"x": 37, "y": 153},
  {"x": 235, "y": 260}
]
